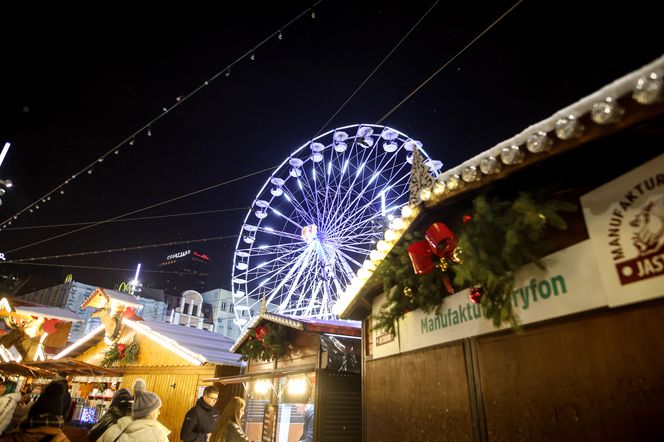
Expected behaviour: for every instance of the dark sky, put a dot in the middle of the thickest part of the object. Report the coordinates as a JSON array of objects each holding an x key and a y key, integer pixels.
[{"x": 77, "y": 82}]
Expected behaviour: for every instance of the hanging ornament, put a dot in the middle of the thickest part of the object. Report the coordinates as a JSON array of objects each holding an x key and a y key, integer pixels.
[
  {"x": 442, "y": 265},
  {"x": 475, "y": 295},
  {"x": 466, "y": 218},
  {"x": 456, "y": 256},
  {"x": 408, "y": 292},
  {"x": 121, "y": 348},
  {"x": 261, "y": 332}
]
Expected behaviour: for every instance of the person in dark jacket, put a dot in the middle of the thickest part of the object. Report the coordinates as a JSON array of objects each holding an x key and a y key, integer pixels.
[
  {"x": 200, "y": 421},
  {"x": 66, "y": 397},
  {"x": 120, "y": 407}
]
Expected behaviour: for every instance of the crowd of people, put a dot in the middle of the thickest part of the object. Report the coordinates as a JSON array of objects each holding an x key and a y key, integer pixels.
[{"x": 130, "y": 417}]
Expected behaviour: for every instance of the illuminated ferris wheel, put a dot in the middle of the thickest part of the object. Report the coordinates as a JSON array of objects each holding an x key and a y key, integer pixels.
[{"x": 315, "y": 220}]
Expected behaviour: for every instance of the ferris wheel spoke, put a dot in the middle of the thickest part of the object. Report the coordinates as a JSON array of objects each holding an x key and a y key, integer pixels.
[
  {"x": 272, "y": 231},
  {"x": 291, "y": 270},
  {"x": 305, "y": 213}
]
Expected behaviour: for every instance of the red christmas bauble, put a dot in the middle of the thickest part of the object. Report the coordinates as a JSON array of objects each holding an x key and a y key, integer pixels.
[
  {"x": 475, "y": 295},
  {"x": 121, "y": 348},
  {"x": 261, "y": 332}
]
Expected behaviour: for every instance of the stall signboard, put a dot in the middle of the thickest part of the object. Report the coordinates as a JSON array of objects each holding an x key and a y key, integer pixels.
[
  {"x": 625, "y": 220},
  {"x": 569, "y": 284}
]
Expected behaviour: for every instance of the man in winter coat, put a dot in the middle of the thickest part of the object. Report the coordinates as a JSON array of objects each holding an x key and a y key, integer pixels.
[{"x": 200, "y": 421}]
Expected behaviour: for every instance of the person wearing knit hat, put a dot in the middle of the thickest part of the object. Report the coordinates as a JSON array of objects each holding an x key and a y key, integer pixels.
[
  {"x": 44, "y": 421},
  {"x": 120, "y": 407},
  {"x": 142, "y": 425}
]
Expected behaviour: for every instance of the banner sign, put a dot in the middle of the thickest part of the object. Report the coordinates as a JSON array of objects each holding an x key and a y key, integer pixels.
[
  {"x": 625, "y": 220},
  {"x": 569, "y": 284}
]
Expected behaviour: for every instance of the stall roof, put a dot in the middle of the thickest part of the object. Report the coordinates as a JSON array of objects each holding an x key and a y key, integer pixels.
[
  {"x": 476, "y": 173},
  {"x": 198, "y": 346},
  {"x": 212, "y": 347},
  {"x": 46, "y": 311},
  {"x": 49, "y": 368},
  {"x": 122, "y": 298},
  {"x": 314, "y": 325},
  {"x": 237, "y": 379},
  {"x": 16, "y": 368},
  {"x": 74, "y": 367}
]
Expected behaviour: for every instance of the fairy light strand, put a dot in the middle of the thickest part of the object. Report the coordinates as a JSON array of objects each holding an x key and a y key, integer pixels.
[
  {"x": 140, "y": 218},
  {"x": 119, "y": 249},
  {"x": 147, "y": 127}
]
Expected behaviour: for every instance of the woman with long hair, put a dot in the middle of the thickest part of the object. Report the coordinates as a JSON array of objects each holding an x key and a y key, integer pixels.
[{"x": 228, "y": 427}]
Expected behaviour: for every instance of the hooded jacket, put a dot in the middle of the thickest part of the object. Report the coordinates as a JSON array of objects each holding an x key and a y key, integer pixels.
[
  {"x": 139, "y": 430},
  {"x": 8, "y": 404},
  {"x": 198, "y": 422}
]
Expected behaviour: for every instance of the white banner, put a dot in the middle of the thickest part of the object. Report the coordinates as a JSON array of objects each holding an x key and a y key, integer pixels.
[
  {"x": 625, "y": 220},
  {"x": 570, "y": 284}
]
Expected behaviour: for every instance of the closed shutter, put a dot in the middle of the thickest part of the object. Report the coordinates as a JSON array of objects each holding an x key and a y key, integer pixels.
[{"x": 338, "y": 411}]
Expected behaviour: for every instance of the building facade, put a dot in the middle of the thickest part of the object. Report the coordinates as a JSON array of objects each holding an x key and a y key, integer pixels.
[
  {"x": 223, "y": 313},
  {"x": 191, "y": 267}
]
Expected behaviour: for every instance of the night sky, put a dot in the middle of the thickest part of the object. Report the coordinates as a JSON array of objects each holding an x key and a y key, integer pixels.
[{"x": 75, "y": 83}]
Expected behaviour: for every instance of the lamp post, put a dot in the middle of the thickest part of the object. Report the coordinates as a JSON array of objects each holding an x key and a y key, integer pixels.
[{"x": 4, "y": 183}]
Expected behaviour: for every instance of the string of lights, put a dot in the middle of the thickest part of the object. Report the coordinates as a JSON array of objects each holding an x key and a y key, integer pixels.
[
  {"x": 140, "y": 218},
  {"x": 251, "y": 54},
  {"x": 111, "y": 269},
  {"x": 147, "y": 127},
  {"x": 448, "y": 62},
  {"x": 214, "y": 186},
  {"x": 119, "y": 249},
  {"x": 389, "y": 54}
]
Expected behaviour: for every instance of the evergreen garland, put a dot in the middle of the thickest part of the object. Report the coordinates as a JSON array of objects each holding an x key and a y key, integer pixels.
[
  {"x": 501, "y": 237},
  {"x": 115, "y": 354},
  {"x": 275, "y": 344},
  {"x": 406, "y": 291}
]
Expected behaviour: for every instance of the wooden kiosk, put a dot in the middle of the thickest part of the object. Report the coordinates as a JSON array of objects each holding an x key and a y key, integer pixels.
[
  {"x": 588, "y": 363},
  {"x": 300, "y": 372},
  {"x": 175, "y": 361}
]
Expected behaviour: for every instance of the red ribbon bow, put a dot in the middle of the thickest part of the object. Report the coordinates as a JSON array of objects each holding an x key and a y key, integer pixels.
[{"x": 439, "y": 241}]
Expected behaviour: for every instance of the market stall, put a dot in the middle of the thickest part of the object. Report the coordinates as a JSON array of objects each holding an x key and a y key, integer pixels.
[
  {"x": 174, "y": 360},
  {"x": 518, "y": 297},
  {"x": 302, "y": 377}
]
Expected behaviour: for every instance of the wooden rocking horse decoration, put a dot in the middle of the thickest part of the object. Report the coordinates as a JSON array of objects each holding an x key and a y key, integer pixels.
[{"x": 111, "y": 313}]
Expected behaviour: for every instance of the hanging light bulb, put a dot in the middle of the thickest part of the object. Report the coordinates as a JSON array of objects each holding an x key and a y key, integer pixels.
[
  {"x": 228, "y": 72},
  {"x": 280, "y": 36},
  {"x": 313, "y": 14},
  {"x": 252, "y": 57},
  {"x": 131, "y": 142},
  {"x": 149, "y": 132}
]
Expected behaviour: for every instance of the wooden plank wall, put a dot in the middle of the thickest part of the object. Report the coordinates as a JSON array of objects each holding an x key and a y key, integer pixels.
[
  {"x": 599, "y": 378},
  {"x": 422, "y": 396},
  {"x": 177, "y": 388}
]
